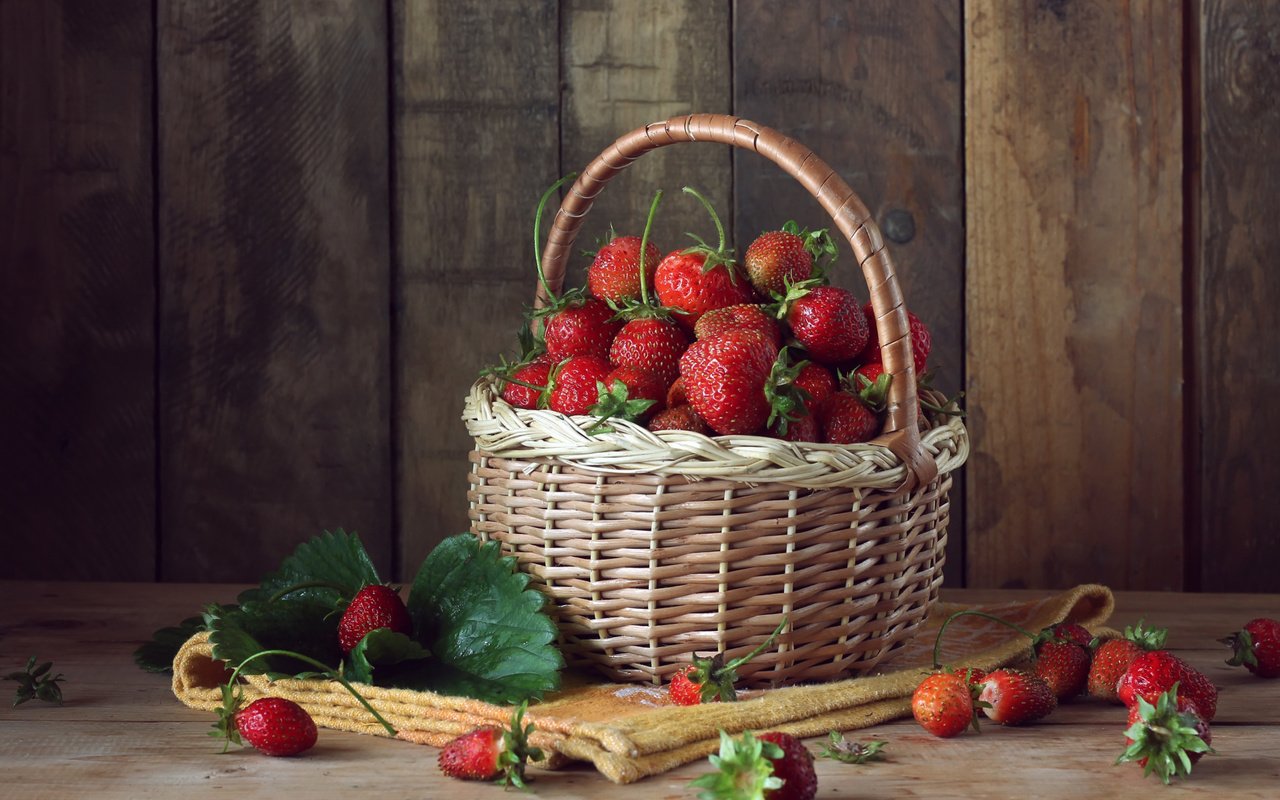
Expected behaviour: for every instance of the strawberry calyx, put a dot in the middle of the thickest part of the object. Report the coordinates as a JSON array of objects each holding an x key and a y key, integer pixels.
[
  {"x": 35, "y": 683},
  {"x": 845, "y": 751},
  {"x": 818, "y": 243},
  {"x": 743, "y": 768},
  {"x": 784, "y": 300},
  {"x": 1243, "y": 653},
  {"x": 614, "y": 403},
  {"x": 716, "y": 679},
  {"x": 950, "y": 407},
  {"x": 516, "y": 752},
  {"x": 718, "y": 256},
  {"x": 1164, "y": 737},
  {"x": 874, "y": 394},
  {"x": 1146, "y": 638},
  {"x": 786, "y": 398}
]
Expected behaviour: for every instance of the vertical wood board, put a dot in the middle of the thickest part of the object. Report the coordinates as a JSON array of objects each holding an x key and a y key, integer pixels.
[{"x": 274, "y": 247}]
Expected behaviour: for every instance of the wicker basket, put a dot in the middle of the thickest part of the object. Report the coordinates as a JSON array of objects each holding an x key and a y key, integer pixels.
[{"x": 657, "y": 546}]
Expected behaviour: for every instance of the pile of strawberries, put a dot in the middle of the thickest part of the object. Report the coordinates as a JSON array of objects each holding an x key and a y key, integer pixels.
[{"x": 697, "y": 341}]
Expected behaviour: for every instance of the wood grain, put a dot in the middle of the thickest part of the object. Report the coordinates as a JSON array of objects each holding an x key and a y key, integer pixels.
[
  {"x": 626, "y": 65},
  {"x": 1237, "y": 291},
  {"x": 476, "y": 131},
  {"x": 274, "y": 247},
  {"x": 1073, "y": 163},
  {"x": 874, "y": 89},
  {"x": 77, "y": 335}
]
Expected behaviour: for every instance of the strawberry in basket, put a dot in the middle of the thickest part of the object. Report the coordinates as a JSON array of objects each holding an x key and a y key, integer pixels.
[{"x": 702, "y": 278}]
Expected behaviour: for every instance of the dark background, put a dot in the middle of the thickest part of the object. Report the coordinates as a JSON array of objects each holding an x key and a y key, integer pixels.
[{"x": 254, "y": 252}]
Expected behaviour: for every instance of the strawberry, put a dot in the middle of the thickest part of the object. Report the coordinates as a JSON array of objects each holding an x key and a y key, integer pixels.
[
  {"x": 1166, "y": 737},
  {"x": 776, "y": 259},
  {"x": 630, "y": 393},
  {"x": 679, "y": 418},
  {"x": 650, "y": 344},
  {"x": 491, "y": 753},
  {"x": 801, "y": 429},
  {"x": 846, "y": 419},
  {"x": 1257, "y": 647},
  {"x": 972, "y": 675},
  {"x": 701, "y": 278},
  {"x": 1064, "y": 665},
  {"x": 614, "y": 274},
  {"x": 825, "y": 320},
  {"x": 1016, "y": 698},
  {"x": 1072, "y": 632},
  {"x": 771, "y": 766},
  {"x": 375, "y": 606},
  {"x": 527, "y": 385},
  {"x": 719, "y": 320},
  {"x": 675, "y": 394},
  {"x": 575, "y": 384},
  {"x": 943, "y": 705},
  {"x": 1111, "y": 658},
  {"x": 584, "y": 327},
  {"x": 1153, "y": 673},
  {"x": 709, "y": 679},
  {"x": 817, "y": 382},
  {"x": 921, "y": 340},
  {"x": 276, "y": 727},
  {"x": 724, "y": 378}
]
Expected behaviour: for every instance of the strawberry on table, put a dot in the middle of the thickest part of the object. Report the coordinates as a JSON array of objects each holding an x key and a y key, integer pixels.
[
  {"x": 276, "y": 727},
  {"x": 1062, "y": 662},
  {"x": 1016, "y": 698},
  {"x": 770, "y": 766},
  {"x": 701, "y": 278},
  {"x": 943, "y": 704},
  {"x": 1166, "y": 737},
  {"x": 1112, "y": 657},
  {"x": 1257, "y": 647},
  {"x": 1153, "y": 673},
  {"x": 375, "y": 606},
  {"x": 492, "y": 753},
  {"x": 614, "y": 274}
]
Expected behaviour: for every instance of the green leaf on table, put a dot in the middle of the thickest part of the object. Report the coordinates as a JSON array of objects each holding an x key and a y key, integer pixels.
[
  {"x": 303, "y": 626},
  {"x": 328, "y": 568},
  {"x": 485, "y": 627},
  {"x": 381, "y": 650},
  {"x": 157, "y": 654}
]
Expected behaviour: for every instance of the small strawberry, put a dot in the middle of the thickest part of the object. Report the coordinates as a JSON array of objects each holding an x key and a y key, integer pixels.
[
  {"x": 614, "y": 274},
  {"x": 778, "y": 258},
  {"x": 1153, "y": 673},
  {"x": 676, "y": 395},
  {"x": 921, "y": 340},
  {"x": 943, "y": 705},
  {"x": 585, "y": 327},
  {"x": 679, "y": 418},
  {"x": 1016, "y": 698},
  {"x": 492, "y": 753},
  {"x": 709, "y": 679},
  {"x": 276, "y": 727},
  {"x": 724, "y": 378},
  {"x": 574, "y": 384},
  {"x": 651, "y": 344},
  {"x": 1166, "y": 737},
  {"x": 1257, "y": 647},
  {"x": 825, "y": 320},
  {"x": 1064, "y": 665},
  {"x": 719, "y": 320},
  {"x": 527, "y": 385},
  {"x": 771, "y": 766},
  {"x": 1112, "y": 657},
  {"x": 375, "y": 606},
  {"x": 1073, "y": 632},
  {"x": 701, "y": 278},
  {"x": 846, "y": 419}
]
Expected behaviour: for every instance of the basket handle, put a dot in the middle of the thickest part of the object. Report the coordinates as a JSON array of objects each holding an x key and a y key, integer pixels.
[{"x": 901, "y": 434}]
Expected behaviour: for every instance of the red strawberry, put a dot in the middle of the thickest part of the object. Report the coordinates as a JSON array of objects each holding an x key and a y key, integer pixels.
[
  {"x": 972, "y": 675},
  {"x": 651, "y": 344},
  {"x": 582, "y": 328},
  {"x": 679, "y": 418},
  {"x": 632, "y": 394},
  {"x": 373, "y": 607},
  {"x": 709, "y": 679},
  {"x": 847, "y": 420},
  {"x": 1153, "y": 673},
  {"x": 523, "y": 395},
  {"x": 1166, "y": 737},
  {"x": 575, "y": 384},
  {"x": 776, "y": 259},
  {"x": 921, "y": 339},
  {"x": 491, "y": 753},
  {"x": 702, "y": 278},
  {"x": 1072, "y": 632},
  {"x": 803, "y": 428},
  {"x": 826, "y": 321},
  {"x": 719, "y": 320},
  {"x": 1016, "y": 698},
  {"x": 684, "y": 688},
  {"x": 943, "y": 705},
  {"x": 724, "y": 378},
  {"x": 817, "y": 382},
  {"x": 1111, "y": 658},
  {"x": 1064, "y": 665},
  {"x": 276, "y": 727},
  {"x": 1257, "y": 647},
  {"x": 771, "y": 766},
  {"x": 675, "y": 394},
  {"x": 614, "y": 275}
]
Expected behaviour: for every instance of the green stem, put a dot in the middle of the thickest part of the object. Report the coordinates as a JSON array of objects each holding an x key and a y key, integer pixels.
[
  {"x": 737, "y": 662},
  {"x": 937, "y": 645},
  {"x": 714, "y": 218},
  {"x": 537, "y": 232},
  {"x": 324, "y": 668},
  {"x": 644, "y": 243},
  {"x": 307, "y": 585}
]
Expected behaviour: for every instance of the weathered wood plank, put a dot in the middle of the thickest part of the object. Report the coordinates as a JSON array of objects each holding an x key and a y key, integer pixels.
[
  {"x": 629, "y": 64},
  {"x": 476, "y": 132},
  {"x": 1074, "y": 152},
  {"x": 274, "y": 247},
  {"x": 77, "y": 337},
  {"x": 1237, "y": 291},
  {"x": 874, "y": 89}
]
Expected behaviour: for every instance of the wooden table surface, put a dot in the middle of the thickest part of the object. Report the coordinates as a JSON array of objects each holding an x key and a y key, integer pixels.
[{"x": 121, "y": 733}]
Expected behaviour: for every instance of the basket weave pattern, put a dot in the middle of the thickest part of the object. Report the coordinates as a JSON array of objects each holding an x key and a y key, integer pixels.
[{"x": 657, "y": 546}]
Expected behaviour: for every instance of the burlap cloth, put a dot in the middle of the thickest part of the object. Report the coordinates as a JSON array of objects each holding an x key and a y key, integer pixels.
[{"x": 631, "y": 731}]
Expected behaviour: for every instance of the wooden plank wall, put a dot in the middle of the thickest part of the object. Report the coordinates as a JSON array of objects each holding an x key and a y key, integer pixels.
[{"x": 254, "y": 253}]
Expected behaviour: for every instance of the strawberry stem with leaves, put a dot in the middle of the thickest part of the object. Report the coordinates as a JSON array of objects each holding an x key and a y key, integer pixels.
[
  {"x": 712, "y": 258},
  {"x": 35, "y": 683}
]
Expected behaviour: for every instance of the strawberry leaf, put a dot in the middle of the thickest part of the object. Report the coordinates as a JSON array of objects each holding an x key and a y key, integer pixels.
[
  {"x": 483, "y": 624},
  {"x": 327, "y": 568},
  {"x": 381, "y": 650},
  {"x": 303, "y": 626},
  {"x": 157, "y": 654}
]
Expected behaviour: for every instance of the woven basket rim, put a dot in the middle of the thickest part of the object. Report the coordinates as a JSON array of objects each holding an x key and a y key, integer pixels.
[{"x": 627, "y": 448}]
